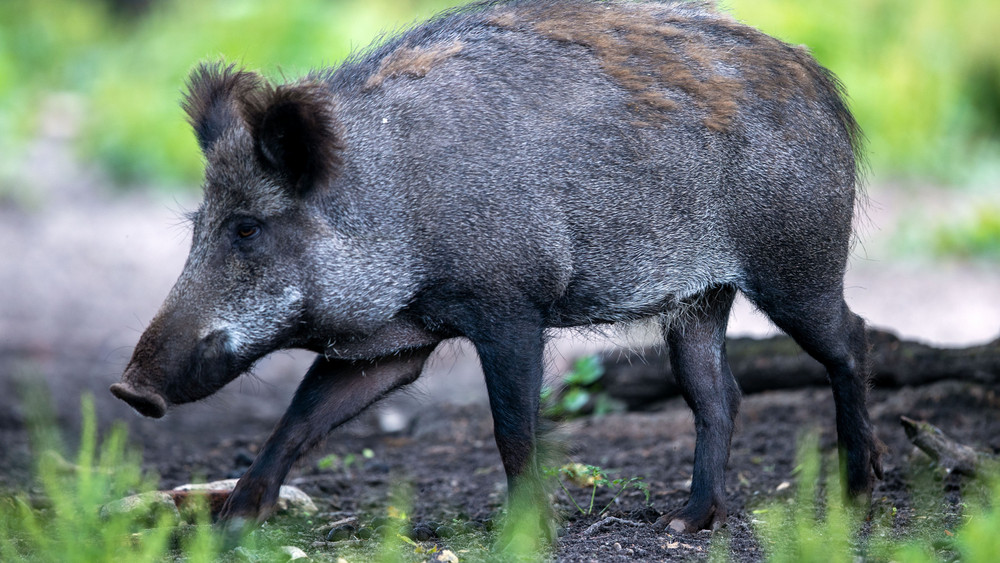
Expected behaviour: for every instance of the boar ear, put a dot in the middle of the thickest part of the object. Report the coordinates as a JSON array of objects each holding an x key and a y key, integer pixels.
[
  {"x": 214, "y": 92},
  {"x": 295, "y": 133}
]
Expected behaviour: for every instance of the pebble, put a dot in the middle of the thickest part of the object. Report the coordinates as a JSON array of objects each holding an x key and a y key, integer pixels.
[
  {"x": 340, "y": 533},
  {"x": 243, "y": 458},
  {"x": 379, "y": 521},
  {"x": 421, "y": 532},
  {"x": 445, "y": 556},
  {"x": 444, "y": 531},
  {"x": 294, "y": 553},
  {"x": 364, "y": 533}
]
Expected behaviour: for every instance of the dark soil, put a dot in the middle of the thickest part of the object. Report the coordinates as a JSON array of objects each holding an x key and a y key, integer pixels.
[{"x": 448, "y": 457}]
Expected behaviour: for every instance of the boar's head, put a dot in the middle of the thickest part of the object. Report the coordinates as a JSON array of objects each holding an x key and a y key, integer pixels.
[{"x": 266, "y": 259}]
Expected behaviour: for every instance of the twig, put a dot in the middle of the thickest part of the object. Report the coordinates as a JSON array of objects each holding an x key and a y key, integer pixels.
[
  {"x": 949, "y": 454},
  {"x": 595, "y": 527}
]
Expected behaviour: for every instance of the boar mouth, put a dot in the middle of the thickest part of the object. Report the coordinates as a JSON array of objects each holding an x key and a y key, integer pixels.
[{"x": 144, "y": 400}]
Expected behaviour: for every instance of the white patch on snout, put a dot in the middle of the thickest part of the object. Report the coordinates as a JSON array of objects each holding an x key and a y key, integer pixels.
[{"x": 242, "y": 322}]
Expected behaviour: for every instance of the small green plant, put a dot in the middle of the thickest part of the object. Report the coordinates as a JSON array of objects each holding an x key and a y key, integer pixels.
[
  {"x": 594, "y": 477},
  {"x": 334, "y": 462},
  {"x": 580, "y": 392}
]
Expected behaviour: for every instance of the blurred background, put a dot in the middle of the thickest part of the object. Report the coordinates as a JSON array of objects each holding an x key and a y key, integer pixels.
[
  {"x": 97, "y": 165},
  {"x": 923, "y": 75}
]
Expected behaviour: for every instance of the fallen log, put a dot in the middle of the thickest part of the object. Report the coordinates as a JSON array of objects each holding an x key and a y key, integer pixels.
[{"x": 641, "y": 378}]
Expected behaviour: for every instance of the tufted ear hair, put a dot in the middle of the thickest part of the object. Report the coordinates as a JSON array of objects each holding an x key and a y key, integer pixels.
[
  {"x": 295, "y": 132},
  {"x": 213, "y": 98}
]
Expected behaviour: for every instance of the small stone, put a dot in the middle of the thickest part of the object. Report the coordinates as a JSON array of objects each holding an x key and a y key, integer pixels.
[
  {"x": 146, "y": 508},
  {"x": 243, "y": 458},
  {"x": 445, "y": 556},
  {"x": 364, "y": 533},
  {"x": 340, "y": 533},
  {"x": 392, "y": 421},
  {"x": 377, "y": 467},
  {"x": 294, "y": 553},
  {"x": 444, "y": 531},
  {"x": 422, "y": 532}
]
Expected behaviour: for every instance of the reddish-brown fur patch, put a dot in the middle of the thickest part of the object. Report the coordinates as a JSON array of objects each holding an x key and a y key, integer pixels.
[
  {"x": 414, "y": 62},
  {"x": 652, "y": 49}
]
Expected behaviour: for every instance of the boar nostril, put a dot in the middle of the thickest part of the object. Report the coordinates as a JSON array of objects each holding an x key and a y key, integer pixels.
[{"x": 146, "y": 401}]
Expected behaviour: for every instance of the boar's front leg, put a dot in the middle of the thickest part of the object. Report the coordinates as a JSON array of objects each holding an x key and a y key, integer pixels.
[
  {"x": 333, "y": 392},
  {"x": 511, "y": 356}
]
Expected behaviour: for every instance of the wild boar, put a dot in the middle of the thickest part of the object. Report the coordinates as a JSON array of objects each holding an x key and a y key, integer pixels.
[{"x": 503, "y": 169}]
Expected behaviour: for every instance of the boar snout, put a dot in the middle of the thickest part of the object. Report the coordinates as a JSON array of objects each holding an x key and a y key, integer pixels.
[
  {"x": 171, "y": 371},
  {"x": 144, "y": 400}
]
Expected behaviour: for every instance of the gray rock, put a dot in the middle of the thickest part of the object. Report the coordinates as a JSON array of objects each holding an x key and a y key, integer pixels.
[
  {"x": 292, "y": 501},
  {"x": 147, "y": 508}
]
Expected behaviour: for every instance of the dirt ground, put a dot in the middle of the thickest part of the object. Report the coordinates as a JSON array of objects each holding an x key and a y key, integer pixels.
[{"x": 83, "y": 270}]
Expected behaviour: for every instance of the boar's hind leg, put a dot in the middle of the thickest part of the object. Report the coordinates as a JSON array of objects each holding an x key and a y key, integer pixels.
[
  {"x": 827, "y": 330},
  {"x": 697, "y": 343},
  {"x": 333, "y": 392}
]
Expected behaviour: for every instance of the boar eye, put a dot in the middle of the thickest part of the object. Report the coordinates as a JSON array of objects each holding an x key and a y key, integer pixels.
[{"x": 247, "y": 231}]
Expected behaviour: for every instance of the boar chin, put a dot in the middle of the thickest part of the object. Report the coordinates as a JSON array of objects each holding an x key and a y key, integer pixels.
[{"x": 151, "y": 382}]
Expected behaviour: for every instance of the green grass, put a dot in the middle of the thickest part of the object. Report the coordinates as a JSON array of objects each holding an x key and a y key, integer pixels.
[
  {"x": 61, "y": 520},
  {"x": 66, "y": 524},
  {"x": 815, "y": 525}
]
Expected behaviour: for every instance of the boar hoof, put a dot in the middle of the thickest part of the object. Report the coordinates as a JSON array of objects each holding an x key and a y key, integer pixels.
[
  {"x": 146, "y": 401},
  {"x": 232, "y": 531},
  {"x": 679, "y": 523}
]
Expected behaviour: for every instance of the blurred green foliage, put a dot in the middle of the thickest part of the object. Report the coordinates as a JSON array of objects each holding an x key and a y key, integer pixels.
[
  {"x": 972, "y": 233},
  {"x": 923, "y": 75},
  {"x": 126, "y": 73},
  {"x": 977, "y": 237}
]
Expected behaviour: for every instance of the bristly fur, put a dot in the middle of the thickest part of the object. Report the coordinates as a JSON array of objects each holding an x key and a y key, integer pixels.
[
  {"x": 652, "y": 48},
  {"x": 212, "y": 94},
  {"x": 295, "y": 131}
]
